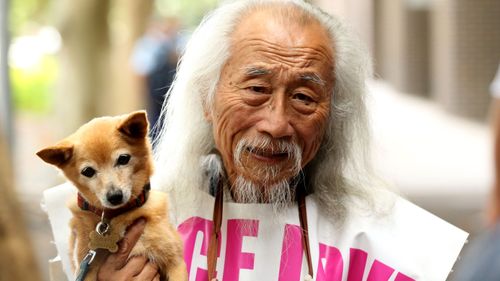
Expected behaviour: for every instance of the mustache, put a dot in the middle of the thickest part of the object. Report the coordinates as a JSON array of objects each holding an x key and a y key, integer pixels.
[{"x": 265, "y": 145}]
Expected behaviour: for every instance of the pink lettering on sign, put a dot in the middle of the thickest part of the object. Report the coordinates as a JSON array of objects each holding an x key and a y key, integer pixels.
[
  {"x": 333, "y": 264},
  {"x": 357, "y": 264},
  {"x": 402, "y": 277},
  {"x": 188, "y": 230},
  {"x": 379, "y": 272},
  {"x": 291, "y": 254},
  {"x": 330, "y": 261},
  {"x": 202, "y": 274},
  {"x": 235, "y": 258}
]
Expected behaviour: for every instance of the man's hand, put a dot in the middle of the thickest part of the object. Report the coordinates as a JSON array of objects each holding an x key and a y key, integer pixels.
[{"x": 118, "y": 267}]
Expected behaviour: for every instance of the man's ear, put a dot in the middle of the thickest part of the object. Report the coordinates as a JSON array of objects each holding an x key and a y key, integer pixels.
[
  {"x": 135, "y": 125},
  {"x": 57, "y": 155}
]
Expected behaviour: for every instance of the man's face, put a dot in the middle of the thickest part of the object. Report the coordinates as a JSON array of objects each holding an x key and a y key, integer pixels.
[{"x": 273, "y": 95}]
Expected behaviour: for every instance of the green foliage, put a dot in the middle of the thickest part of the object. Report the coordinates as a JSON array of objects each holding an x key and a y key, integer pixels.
[
  {"x": 22, "y": 12},
  {"x": 33, "y": 89}
]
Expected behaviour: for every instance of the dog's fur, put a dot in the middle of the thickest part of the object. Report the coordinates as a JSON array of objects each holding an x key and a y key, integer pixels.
[{"x": 98, "y": 144}]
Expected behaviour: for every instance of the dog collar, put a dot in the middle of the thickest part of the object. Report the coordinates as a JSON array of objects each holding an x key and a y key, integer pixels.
[{"x": 111, "y": 213}]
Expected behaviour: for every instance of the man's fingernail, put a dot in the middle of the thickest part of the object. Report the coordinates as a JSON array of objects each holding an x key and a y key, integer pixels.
[{"x": 141, "y": 221}]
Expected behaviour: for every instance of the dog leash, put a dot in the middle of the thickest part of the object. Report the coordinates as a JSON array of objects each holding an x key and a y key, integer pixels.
[
  {"x": 214, "y": 242},
  {"x": 83, "y": 269}
]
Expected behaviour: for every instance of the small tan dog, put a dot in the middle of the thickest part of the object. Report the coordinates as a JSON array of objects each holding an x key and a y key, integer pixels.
[{"x": 109, "y": 161}]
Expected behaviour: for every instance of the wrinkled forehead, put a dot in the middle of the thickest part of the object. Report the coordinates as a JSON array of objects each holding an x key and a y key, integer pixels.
[{"x": 285, "y": 30}]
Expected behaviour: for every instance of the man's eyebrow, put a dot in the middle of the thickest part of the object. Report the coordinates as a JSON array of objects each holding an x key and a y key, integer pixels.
[
  {"x": 312, "y": 77},
  {"x": 256, "y": 71}
]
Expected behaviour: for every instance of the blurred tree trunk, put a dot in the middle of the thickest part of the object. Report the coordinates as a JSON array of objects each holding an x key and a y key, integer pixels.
[
  {"x": 84, "y": 61},
  {"x": 96, "y": 77},
  {"x": 17, "y": 261},
  {"x": 132, "y": 18}
]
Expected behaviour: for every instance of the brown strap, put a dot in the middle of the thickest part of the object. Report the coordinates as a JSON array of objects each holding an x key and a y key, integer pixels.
[
  {"x": 214, "y": 242},
  {"x": 305, "y": 232},
  {"x": 213, "y": 245}
]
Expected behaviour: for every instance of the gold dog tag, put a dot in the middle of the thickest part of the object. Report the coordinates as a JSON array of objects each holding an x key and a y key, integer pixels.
[
  {"x": 103, "y": 237},
  {"x": 108, "y": 241}
]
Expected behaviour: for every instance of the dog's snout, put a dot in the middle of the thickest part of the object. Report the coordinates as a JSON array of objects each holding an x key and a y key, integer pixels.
[{"x": 115, "y": 197}]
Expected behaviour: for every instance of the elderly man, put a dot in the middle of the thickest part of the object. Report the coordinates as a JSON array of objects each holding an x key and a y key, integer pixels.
[{"x": 266, "y": 117}]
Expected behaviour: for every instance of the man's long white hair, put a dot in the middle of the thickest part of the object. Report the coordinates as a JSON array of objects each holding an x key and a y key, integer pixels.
[{"x": 339, "y": 171}]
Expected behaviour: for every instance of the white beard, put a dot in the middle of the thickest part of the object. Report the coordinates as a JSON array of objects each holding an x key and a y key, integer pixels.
[
  {"x": 268, "y": 174},
  {"x": 280, "y": 193}
]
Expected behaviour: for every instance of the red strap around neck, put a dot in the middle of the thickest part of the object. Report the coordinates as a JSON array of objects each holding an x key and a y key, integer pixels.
[{"x": 111, "y": 213}]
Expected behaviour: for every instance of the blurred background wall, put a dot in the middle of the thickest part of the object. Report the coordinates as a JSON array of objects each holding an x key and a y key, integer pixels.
[
  {"x": 434, "y": 62},
  {"x": 69, "y": 61}
]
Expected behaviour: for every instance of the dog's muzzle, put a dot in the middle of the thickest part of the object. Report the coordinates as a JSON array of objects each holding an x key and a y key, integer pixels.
[{"x": 115, "y": 197}]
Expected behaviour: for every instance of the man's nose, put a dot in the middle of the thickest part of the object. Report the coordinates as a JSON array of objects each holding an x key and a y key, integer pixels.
[{"x": 276, "y": 122}]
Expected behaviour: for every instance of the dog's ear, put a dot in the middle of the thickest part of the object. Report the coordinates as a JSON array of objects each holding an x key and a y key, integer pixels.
[
  {"x": 135, "y": 125},
  {"x": 57, "y": 155}
]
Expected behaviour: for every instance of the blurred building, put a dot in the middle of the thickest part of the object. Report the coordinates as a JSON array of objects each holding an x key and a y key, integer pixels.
[
  {"x": 466, "y": 52},
  {"x": 434, "y": 61},
  {"x": 447, "y": 50}
]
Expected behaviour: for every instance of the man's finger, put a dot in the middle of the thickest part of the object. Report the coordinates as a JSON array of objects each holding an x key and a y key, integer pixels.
[
  {"x": 135, "y": 265},
  {"x": 128, "y": 242},
  {"x": 148, "y": 272}
]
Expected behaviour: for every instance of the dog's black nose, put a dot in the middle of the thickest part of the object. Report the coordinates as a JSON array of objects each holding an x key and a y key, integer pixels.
[{"x": 115, "y": 197}]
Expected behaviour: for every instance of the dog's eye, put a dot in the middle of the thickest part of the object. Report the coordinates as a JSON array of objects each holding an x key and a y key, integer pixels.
[
  {"x": 123, "y": 159},
  {"x": 88, "y": 172}
]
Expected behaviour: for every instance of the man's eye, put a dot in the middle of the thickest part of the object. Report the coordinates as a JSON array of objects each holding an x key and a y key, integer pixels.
[
  {"x": 303, "y": 98},
  {"x": 123, "y": 159},
  {"x": 88, "y": 172},
  {"x": 257, "y": 89}
]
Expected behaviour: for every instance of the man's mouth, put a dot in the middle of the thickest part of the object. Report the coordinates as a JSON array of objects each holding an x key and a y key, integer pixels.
[{"x": 267, "y": 155}]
